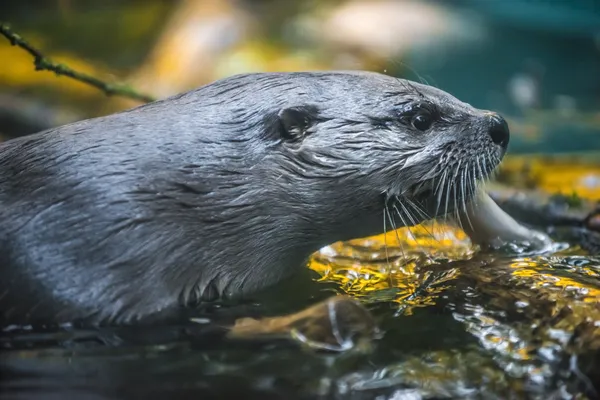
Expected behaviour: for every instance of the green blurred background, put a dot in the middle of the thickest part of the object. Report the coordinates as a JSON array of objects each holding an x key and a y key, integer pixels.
[{"x": 536, "y": 61}]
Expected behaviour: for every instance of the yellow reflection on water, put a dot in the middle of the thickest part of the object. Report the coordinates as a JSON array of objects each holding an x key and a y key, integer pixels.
[
  {"x": 388, "y": 267},
  {"x": 536, "y": 270}
]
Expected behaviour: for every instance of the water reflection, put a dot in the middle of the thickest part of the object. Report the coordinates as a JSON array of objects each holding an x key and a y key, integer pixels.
[
  {"x": 339, "y": 323},
  {"x": 525, "y": 314},
  {"x": 393, "y": 267},
  {"x": 533, "y": 321}
]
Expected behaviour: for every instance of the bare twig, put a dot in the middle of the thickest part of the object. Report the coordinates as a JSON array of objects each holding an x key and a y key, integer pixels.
[{"x": 42, "y": 63}]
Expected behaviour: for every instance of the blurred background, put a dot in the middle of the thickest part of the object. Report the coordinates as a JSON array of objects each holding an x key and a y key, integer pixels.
[{"x": 536, "y": 61}]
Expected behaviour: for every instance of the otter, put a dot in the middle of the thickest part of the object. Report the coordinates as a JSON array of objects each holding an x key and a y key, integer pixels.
[{"x": 229, "y": 188}]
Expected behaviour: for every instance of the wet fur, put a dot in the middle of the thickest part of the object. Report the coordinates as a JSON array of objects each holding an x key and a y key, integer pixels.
[{"x": 220, "y": 191}]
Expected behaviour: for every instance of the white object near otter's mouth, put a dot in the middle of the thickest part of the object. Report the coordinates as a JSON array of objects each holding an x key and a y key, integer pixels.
[{"x": 486, "y": 223}]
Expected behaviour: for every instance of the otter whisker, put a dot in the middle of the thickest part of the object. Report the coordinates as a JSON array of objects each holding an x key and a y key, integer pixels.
[
  {"x": 423, "y": 214},
  {"x": 395, "y": 228},
  {"x": 396, "y": 232},
  {"x": 476, "y": 178},
  {"x": 482, "y": 176},
  {"x": 411, "y": 220},
  {"x": 440, "y": 181},
  {"x": 439, "y": 192},
  {"x": 446, "y": 192},
  {"x": 425, "y": 217},
  {"x": 472, "y": 183},
  {"x": 461, "y": 192},
  {"x": 463, "y": 179},
  {"x": 406, "y": 224},
  {"x": 418, "y": 188},
  {"x": 466, "y": 174},
  {"x": 495, "y": 171},
  {"x": 387, "y": 257},
  {"x": 448, "y": 188},
  {"x": 455, "y": 193},
  {"x": 485, "y": 161},
  {"x": 493, "y": 161}
]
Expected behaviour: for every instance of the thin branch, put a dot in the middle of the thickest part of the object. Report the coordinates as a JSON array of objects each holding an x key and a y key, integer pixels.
[{"x": 43, "y": 63}]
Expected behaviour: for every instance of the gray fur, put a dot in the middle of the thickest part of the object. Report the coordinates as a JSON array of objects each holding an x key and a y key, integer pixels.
[{"x": 201, "y": 195}]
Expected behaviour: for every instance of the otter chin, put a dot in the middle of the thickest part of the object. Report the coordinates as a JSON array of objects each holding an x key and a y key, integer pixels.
[{"x": 227, "y": 189}]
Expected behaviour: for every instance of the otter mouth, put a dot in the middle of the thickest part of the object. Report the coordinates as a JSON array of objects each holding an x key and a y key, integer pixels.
[
  {"x": 423, "y": 191},
  {"x": 451, "y": 188},
  {"x": 446, "y": 188}
]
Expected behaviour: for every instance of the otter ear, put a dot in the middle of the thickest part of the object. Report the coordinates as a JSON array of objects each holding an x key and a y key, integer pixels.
[{"x": 295, "y": 122}]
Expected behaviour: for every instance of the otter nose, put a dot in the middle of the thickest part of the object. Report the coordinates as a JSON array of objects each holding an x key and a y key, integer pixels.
[{"x": 499, "y": 131}]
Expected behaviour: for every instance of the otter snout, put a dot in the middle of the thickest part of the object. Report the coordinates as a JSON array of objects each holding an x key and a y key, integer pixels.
[{"x": 498, "y": 130}]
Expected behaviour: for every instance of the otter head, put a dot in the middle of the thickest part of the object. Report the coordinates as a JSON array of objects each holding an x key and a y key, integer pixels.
[{"x": 357, "y": 148}]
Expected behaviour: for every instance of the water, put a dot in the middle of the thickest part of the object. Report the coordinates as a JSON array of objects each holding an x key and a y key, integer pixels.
[{"x": 454, "y": 324}]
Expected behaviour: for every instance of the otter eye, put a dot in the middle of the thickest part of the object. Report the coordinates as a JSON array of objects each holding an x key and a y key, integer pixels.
[
  {"x": 422, "y": 122},
  {"x": 419, "y": 115}
]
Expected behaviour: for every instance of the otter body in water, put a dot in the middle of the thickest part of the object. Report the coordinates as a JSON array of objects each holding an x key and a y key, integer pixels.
[{"x": 227, "y": 189}]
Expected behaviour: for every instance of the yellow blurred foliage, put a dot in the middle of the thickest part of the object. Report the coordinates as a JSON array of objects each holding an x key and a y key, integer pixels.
[
  {"x": 18, "y": 70},
  {"x": 566, "y": 176},
  {"x": 258, "y": 56}
]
